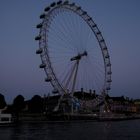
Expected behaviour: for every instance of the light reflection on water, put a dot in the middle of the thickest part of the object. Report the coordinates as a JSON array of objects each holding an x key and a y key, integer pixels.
[{"x": 121, "y": 130}]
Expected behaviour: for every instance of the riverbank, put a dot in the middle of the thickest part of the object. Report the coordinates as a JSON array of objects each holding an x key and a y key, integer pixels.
[
  {"x": 76, "y": 117},
  {"x": 118, "y": 117}
]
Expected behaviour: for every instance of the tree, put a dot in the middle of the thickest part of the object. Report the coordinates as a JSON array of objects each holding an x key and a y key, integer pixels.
[
  {"x": 36, "y": 104},
  {"x": 18, "y": 104},
  {"x": 2, "y": 101}
]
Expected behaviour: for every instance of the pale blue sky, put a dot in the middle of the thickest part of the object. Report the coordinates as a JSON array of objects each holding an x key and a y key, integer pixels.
[{"x": 118, "y": 20}]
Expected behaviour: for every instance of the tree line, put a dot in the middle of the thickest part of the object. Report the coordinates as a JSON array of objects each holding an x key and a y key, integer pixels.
[{"x": 34, "y": 105}]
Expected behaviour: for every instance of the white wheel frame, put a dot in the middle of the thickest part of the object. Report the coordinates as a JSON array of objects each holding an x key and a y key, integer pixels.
[{"x": 47, "y": 17}]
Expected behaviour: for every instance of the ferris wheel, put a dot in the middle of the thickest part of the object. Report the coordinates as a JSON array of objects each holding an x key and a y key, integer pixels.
[{"x": 73, "y": 51}]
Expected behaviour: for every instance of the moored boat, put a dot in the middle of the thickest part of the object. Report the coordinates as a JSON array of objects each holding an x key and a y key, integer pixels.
[{"x": 5, "y": 119}]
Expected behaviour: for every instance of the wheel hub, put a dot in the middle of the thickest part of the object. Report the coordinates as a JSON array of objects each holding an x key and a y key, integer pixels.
[{"x": 79, "y": 56}]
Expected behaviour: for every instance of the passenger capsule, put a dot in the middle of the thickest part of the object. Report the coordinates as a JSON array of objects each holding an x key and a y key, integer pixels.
[
  {"x": 48, "y": 79},
  {"x": 94, "y": 26},
  {"x": 47, "y": 9},
  {"x": 108, "y": 65},
  {"x": 42, "y": 16},
  {"x": 89, "y": 19},
  {"x": 39, "y": 51},
  {"x": 84, "y": 13},
  {"x": 98, "y": 33},
  {"x": 59, "y": 2},
  {"x": 102, "y": 40},
  {"x": 38, "y": 37},
  {"x": 109, "y": 81},
  {"x": 105, "y": 48},
  {"x": 72, "y": 4},
  {"x": 108, "y": 88},
  {"x": 55, "y": 91},
  {"x": 78, "y": 8},
  {"x": 109, "y": 72},
  {"x": 66, "y": 2},
  {"x": 107, "y": 56},
  {"x": 39, "y": 25},
  {"x": 53, "y": 4},
  {"x": 42, "y": 65}
]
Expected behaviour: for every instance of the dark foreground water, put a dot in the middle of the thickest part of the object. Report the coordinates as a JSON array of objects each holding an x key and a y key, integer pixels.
[{"x": 121, "y": 130}]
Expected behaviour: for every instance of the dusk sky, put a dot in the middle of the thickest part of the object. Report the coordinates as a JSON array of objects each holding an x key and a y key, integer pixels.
[{"x": 118, "y": 20}]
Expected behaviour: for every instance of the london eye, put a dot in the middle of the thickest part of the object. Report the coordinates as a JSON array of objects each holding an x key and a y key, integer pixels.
[{"x": 73, "y": 51}]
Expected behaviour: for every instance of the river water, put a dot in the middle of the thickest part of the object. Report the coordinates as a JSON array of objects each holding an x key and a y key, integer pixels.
[{"x": 119, "y": 130}]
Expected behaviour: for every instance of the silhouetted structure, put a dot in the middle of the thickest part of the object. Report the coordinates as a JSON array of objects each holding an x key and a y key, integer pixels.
[
  {"x": 2, "y": 101},
  {"x": 35, "y": 105}
]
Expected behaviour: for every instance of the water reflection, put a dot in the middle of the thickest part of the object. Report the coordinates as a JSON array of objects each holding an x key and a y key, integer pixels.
[{"x": 123, "y": 130}]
